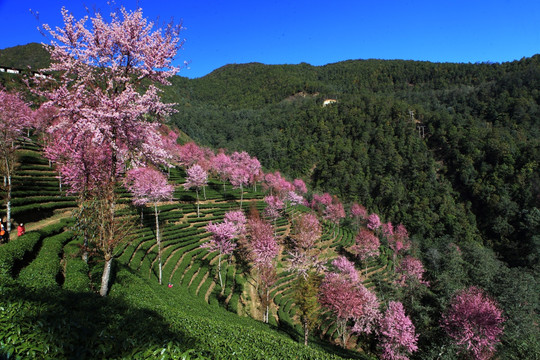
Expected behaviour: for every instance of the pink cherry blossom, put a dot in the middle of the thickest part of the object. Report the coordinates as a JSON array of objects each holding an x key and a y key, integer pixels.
[
  {"x": 300, "y": 186},
  {"x": 475, "y": 323},
  {"x": 373, "y": 221},
  {"x": 397, "y": 333},
  {"x": 148, "y": 185},
  {"x": 346, "y": 267},
  {"x": 366, "y": 246},
  {"x": 410, "y": 270}
]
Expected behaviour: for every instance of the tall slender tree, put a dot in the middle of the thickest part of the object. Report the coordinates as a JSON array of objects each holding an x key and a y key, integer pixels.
[
  {"x": 106, "y": 94},
  {"x": 150, "y": 186},
  {"x": 221, "y": 241},
  {"x": 264, "y": 249},
  {"x": 196, "y": 178},
  {"x": 15, "y": 116}
]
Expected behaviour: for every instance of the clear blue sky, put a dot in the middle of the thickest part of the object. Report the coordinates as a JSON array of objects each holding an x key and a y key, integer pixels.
[{"x": 317, "y": 32}]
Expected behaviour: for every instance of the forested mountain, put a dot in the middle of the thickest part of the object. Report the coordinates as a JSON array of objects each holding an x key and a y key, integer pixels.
[{"x": 450, "y": 150}]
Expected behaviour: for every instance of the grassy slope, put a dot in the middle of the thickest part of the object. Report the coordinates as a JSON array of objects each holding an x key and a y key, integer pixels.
[{"x": 49, "y": 309}]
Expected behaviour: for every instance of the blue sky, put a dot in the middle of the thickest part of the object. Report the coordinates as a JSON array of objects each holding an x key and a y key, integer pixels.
[{"x": 317, "y": 32}]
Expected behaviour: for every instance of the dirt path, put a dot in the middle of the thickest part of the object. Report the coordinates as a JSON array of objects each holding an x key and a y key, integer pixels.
[{"x": 62, "y": 214}]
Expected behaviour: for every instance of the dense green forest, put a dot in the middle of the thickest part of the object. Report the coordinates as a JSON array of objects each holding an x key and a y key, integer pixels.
[{"x": 450, "y": 150}]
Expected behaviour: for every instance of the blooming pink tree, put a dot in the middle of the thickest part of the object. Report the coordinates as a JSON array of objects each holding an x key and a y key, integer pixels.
[
  {"x": 239, "y": 174},
  {"x": 306, "y": 232},
  {"x": 106, "y": 95},
  {"x": 373, "y": 222},
  {"x": 348, "y": 301},
  {"x": 358, "y": 213},
  {"x": 238, "y": 218},
  {"x": 294, "y": 199},
  {"x": 334, "y": 213},
  {"x": 15, "y": 115},
  {"x": 367, "y": 245},
  {"x": 300, "y": 186},
  {"x": 346, "y": 268},
  {"x": 254, "y": 170},
  {"x": 396, "y": 333},
  {"x": 475, "y": 323},
  {"x": 398, "y": 240},
  {"x": 196, "y": 178},
  {"x": 221, "y": 241},
  {"x": 149, "y": 186},
  {"x": 190, "y": 154},
  {"x": 320, "y": 202},
  {"x": 264, "y": 249},
  {"x": 410, "y": 272},
  {"x": 222, "y": 166},
  {"x": 274, "y": 205}
]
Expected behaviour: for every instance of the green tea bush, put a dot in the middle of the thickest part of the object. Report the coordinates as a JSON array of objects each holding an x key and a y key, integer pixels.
[{"x": 43, "y": 271}]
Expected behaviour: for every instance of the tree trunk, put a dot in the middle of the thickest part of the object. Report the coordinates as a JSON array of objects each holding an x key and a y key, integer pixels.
[
  {"x": 8, "y": 206},
  {"x": 204, "y": 192},
  {"x": 241, "y": 195},
  {"x": 107, "y": 236},
  {"x": 197, "y": 191},
  {"x": 219, "y": 272},
  {"x": 306, "y": 332},
  {"x": 106, "y": 275},
  {"x": 158, "y": 238},
  {"x": 85, "y": 246},
  {"x": 267, "y": 305}
]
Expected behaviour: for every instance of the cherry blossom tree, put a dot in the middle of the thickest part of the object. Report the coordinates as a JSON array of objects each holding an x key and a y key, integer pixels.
[
  {"x": 306, "y": 232},
  {"x": 190, "y": 154},
  {"x": 105, "y": 94},
  {"x": 358, "y": 213},
  {"x": 240, "y": 172},
  {"x": 396, "y": 333},
  {"x": 222, "y": 166},
  {"x": 475, "y": 322},
  {"x": 366, "y": 246},
  {"x": 334, "y": 213},
  {"x": 273, "y": 207},
  {"x": 346, "y": 268},
  {"x": 320, "y": 202},
  {"x": 387, "y": 229},
  {"x": 373, "y": 222},
  {"x": 238, "y": 218},
  {"x": 398, "y": 240},
  {"x": 149, "y": 186},
  {"x": 254, "y": 170},
  {"x": 221, "y": 241},
  {"x": 15, "y": 115},
  {"x": 348, "y": 301},
  {"x": 196, "y": 178},
  {"x": 304, "y": 257},
  {"x": 264, "y": 249},
  {"x": 410, "y": 272},
  {"x": 294, "y": 199},
  {"x": 300, "y": 186}
]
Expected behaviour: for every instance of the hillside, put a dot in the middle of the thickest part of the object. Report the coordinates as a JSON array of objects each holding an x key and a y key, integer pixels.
[
  {"x": 42, "y": 273},
  {"x": 449, "y": 150}
]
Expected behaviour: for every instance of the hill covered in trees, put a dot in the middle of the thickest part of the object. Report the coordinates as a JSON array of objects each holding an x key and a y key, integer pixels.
[{"x": 449, "y": 150}]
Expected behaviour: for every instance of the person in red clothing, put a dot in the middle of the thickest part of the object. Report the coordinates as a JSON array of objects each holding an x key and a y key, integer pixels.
[{"x": 20, "y": 229}]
